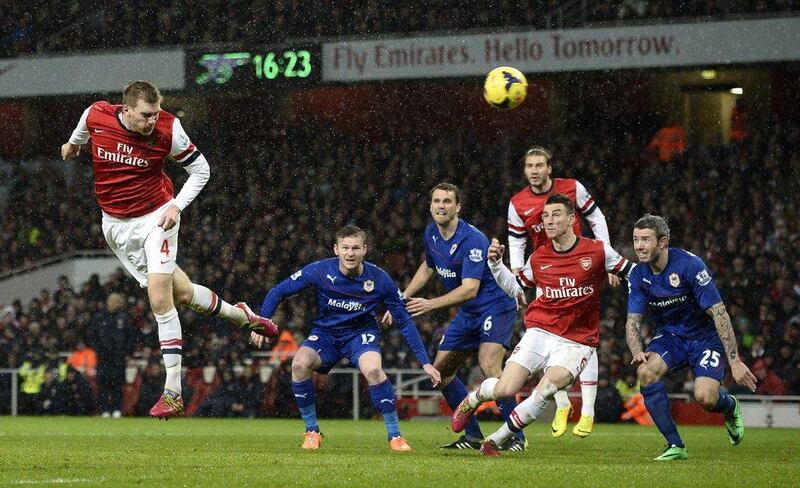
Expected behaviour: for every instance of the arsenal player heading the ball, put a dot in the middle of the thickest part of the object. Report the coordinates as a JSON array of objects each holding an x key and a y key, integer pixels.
[{"x": 141, "y": 218}]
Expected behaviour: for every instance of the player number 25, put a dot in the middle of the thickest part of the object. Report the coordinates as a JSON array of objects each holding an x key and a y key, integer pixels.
[
  {"x": 710, "y": 358},
  {"x": 367, "y": 338}
]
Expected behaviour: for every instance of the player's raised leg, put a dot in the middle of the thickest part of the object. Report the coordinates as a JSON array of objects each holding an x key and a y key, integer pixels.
[
  {"x": 554, "y": 379},
  {"x": 490, "y": 360},
  {"x": 304, "y": 363},
  {"x": 657, "y": 403},
  {"x": 508, "y": 384},
  {"x": 381, "y": 392},
  {"x": 209, "y": 303},
  {"x": 588, "y": 379},
  {"x": 454, "y": 392}
]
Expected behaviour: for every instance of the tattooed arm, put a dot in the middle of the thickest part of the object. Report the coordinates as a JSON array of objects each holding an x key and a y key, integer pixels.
[
  {"x": 634, "y": 338},
  {"x": 722, "y": 321}
]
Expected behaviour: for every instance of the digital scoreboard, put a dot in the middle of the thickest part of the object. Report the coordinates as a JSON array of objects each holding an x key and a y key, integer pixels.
[{"x": 257, "y": 67}]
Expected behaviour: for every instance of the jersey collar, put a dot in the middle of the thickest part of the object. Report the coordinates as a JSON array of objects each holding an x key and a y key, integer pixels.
[
  {"x": 552, "y": 184},
  {"x": 566, "y": 251}
]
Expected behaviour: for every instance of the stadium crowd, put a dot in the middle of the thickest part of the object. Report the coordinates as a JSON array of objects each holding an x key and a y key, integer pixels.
[
  {"x": 47, "y": 25},
  {"x": 736, "y": 206}
]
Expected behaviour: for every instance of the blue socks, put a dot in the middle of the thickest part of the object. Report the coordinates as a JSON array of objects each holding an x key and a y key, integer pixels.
[
  {"x": 306, "y": 402},
  {"x": 506, "y": 406},
  {"x": 383, "y": 399},
  {"x": 454, "y": 392},
  {"x": 725, "y": 404},
  {"x": 657, "y": 403}
]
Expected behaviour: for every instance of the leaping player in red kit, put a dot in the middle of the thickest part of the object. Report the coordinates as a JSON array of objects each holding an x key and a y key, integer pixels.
[
  {"x": 562, "y": 322},
  {"x": 130, "y": 144}
]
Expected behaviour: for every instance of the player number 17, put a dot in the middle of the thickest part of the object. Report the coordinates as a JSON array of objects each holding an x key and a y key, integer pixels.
[{"x": 367, "y": 338}]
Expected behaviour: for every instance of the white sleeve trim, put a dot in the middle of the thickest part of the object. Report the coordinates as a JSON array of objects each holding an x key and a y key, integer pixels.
[
  {"x": 80, "y": 135},
  {"x": 589, "y": 209},
  {"x": 505, "y": 278},
  {"x": 180, "y": 140},
  {"x": 516, "y": 245},
  {"x": 199, "y": 173},
  {"x": 615, "y": 263}
]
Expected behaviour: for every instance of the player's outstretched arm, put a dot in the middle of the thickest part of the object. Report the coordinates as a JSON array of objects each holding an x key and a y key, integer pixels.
[
  {"x": 421, "y": 277},
  {"x": 633, "y": 336},
  {"x": 506, "y": 280},
  {"x": 722, "y": 321},
  {"x": 79, "y": 137},
  {"x": 467, "y": 290}
]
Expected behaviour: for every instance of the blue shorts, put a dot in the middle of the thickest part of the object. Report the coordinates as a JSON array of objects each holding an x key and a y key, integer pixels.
[
  {"x": 351, "y": 346},
  {"x": 706, "y": 356},
  {"x": 469, "y": 330}
]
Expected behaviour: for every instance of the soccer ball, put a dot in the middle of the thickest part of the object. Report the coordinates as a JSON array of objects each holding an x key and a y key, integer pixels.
[{"x": 505, "y": 88}]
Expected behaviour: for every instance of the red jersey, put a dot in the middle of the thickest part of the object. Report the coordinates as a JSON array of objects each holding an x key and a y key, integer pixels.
[
  {"x": 568, "y": 285},
  {"x": 525, "y": 216},
  {"x": 129, "y": 178}
]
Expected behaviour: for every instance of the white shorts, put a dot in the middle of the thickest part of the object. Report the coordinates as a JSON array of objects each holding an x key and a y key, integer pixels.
[
  {"x": 539, "y": 350},
  {"x": 141, "y": 245}
]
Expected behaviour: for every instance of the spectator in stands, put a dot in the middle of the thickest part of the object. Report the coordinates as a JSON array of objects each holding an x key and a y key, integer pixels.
[
  {"x": 83, "y": 359},
  {"x": 31, "y": 374},
  {"x": 251, "y": 392},
  {"x": 669, "y": 142},
  {"x": 152, "y": 387},
  {"x": 221, "y": 401},
  {"x": 74, "y": 394},
  {"x": 112, "y": 335},
  {"x": 48, "y": 401},
  {"x": 608, "y": 405},
  {"x": 769, "y": 383}
]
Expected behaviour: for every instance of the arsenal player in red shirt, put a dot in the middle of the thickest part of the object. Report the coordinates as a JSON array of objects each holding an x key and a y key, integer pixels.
[
  {"x": 562, "y": 322},
  {"x": 141, "y": 218},
  {"x": 525, "y": 220}
]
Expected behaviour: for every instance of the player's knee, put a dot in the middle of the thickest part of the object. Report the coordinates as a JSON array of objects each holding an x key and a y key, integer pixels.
[
  {"x": 301, "y": 368},
  {"x": 183, "y": 297},
  {"x": 161, "y": 304},
  {"x": 706, "y": 398},
  {"x": 490, "y": 367},
  {"x": 503, "y": 390},
  {"x": 374, "y": 376},
  {"x": 646, "y": 375}
]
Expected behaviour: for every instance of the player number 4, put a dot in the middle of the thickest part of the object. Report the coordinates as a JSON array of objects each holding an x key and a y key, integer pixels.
[
  {"x": 710, "y": 358},
  {"x": 165, "y": 247},
  {"x": 367, "y": 338}
]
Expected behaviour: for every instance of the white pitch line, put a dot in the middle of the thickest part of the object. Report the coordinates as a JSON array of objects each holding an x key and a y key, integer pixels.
[{"x": 59, "y": 481}]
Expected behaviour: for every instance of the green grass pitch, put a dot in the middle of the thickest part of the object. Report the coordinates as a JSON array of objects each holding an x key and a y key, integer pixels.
[{"x": 191, "y": 452}]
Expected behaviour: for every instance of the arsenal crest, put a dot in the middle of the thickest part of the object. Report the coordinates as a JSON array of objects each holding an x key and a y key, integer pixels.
[
  {"x": 674, "y": 280},
  {"x": 586, "y": 263},
  {"x": 369, "y": 285}
]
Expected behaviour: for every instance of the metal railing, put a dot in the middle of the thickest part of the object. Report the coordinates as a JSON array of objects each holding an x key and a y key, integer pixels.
[{"x": 14, "y": 387}]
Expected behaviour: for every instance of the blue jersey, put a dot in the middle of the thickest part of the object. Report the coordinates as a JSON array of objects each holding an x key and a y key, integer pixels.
[
  {"x": 347, "y": 304},
  {"x": 464, "y": 256},
  {"x": 677, "y": 298}
]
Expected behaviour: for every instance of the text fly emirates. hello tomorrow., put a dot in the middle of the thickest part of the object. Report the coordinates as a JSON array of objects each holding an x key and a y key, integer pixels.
[{"x": 496, "y": 51}]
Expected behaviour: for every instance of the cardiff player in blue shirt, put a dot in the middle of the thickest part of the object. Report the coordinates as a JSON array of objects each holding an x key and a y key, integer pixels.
[
  {"x": 693, "y": 328},
  {"x": 456, "y": 251},
  {"x": 349, "y": 291}
]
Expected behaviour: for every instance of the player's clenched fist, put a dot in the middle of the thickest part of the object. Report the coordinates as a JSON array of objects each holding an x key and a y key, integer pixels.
[
  {"x": 69, "y": 151},
  {"x": 496, "y": 250}
]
